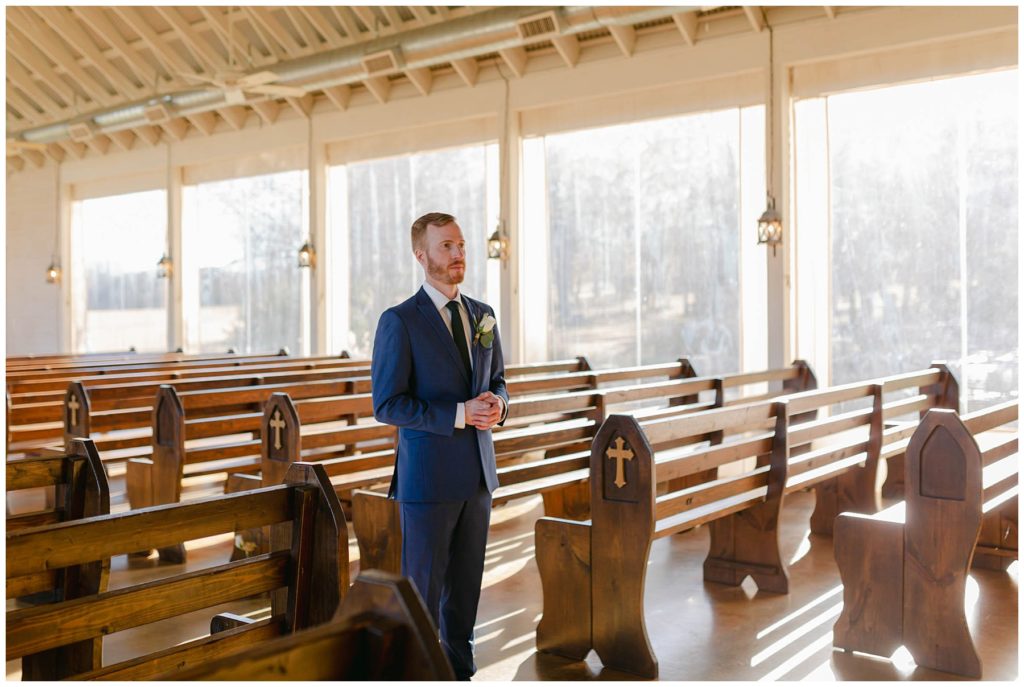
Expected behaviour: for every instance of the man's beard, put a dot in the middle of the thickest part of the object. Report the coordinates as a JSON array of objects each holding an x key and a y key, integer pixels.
[{"x": 441, "y": 273}]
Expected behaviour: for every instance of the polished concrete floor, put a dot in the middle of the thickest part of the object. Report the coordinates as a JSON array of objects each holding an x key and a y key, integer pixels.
[{"x": 700, "y": 631}]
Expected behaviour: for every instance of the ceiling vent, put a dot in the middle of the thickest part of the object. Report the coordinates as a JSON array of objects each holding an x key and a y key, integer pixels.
[
  {"x": 155, "y": 114},
  {"x": 543, "y": 25},
  {"x": 82, "y": 131},
  {"x": 382, "y": 62}
]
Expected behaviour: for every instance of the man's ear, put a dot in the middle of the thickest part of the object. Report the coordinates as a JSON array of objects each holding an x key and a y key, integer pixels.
[{"x": 420, "y": 255}]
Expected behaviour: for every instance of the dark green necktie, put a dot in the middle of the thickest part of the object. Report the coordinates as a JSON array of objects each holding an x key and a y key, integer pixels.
[{"x": 459, "y": 334}]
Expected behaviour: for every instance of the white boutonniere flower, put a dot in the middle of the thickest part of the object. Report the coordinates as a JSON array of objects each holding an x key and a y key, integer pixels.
[{"x": 485, "y": 331}]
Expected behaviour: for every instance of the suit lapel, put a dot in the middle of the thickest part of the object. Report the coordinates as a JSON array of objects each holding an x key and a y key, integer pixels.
[{"x": 430, "y": 313}]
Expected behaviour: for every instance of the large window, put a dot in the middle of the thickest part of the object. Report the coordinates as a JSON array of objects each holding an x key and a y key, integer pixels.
[
  {"x": 373, "y": 205},
  {"x": 636, "y": 238},
  {"x": 921, "y": 230},
  {"x": 242, "y": 285},
  {"x": 118, "y": 300}
]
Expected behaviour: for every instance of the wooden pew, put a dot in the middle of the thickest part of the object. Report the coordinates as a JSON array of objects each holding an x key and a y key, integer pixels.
[
  {"x": 306, "y": 574},
  {"x": 81, "y": 491},
  {"x": 560, "y": 475},
  {"x": 593, "y": 572},
  {"x": 381, "y": 632},
  {"x": 126, "y": 399},
  {"x": 904, "y": 570}
]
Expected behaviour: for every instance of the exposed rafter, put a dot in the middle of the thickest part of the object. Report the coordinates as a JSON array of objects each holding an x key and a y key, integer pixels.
[
  {"x": 421, "y": 78},
  {"x": 98, "y": 22},
  {"x": 625, "y": 38},
  {"x": 339, "y": 95},
  {"x": 200, "y": 49},
  {"x": 686, "y": 22},
  {"x": 35, "y": 31},
  {"x": 124, "y": 139},
  {"x": 267, "y": 110},
  {"x": 303, "y": 105},
  {"x": 755, "y": 15},
  {"x": 569, "y": 48},
  {"x": 172, "y": 62},
  {"x": 379, "y": 86},
  {"x": 516, "y": 60},
  {"x": 468, "y": 69},
  {"x": 235, "y": 116},
  {"x": 148, "y": 133},
  {"x": 59, "y": 20},
  {"x": 176, "y": 128}
]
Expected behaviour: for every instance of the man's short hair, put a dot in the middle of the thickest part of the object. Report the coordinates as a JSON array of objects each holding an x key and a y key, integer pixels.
[{"x": 419, "y": 227}]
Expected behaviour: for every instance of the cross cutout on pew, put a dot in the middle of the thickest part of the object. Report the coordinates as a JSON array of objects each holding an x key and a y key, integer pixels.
[
  {"x": 619, "y": 454},
  {"x": 277, "y": 424},
  {"x": 74, "y": 405}
]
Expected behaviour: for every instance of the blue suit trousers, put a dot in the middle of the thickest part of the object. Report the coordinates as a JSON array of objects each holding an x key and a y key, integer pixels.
[{"x": 443, "y": 553}]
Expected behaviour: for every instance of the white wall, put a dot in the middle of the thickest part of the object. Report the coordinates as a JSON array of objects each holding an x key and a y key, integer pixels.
[
  {"x": 33, "y": 305},
  {"x": 664, "y": 75}
]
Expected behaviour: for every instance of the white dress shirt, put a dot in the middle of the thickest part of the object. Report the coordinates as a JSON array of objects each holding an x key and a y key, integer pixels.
[{"x": 440, "y": 302}]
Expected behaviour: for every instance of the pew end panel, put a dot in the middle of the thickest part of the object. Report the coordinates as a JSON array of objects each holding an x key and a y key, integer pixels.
[
  {"x": 945, "y": 393},
  {"x": 76, "y": 413},
  {"x": 563, "y": 550},
  {"x": 622, "y": 496},
  {"x": 319, "y": 549},
  {"x": 376, "y": 520},
  {"x": 943, "y": 519},
  {"x": 869, "y": 555}
]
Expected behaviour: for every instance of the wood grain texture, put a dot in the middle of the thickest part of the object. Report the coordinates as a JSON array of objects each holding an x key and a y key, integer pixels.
[
  {"x": 563, "y": 550},
  {"x": 942, "y": 524}
]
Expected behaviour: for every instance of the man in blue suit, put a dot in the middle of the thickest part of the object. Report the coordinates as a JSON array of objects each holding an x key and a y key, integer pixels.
[{"x": 438, "y": 375}]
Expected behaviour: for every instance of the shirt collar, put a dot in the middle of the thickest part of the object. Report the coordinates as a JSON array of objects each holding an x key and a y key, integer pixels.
[{"x": 439, "y": 299}]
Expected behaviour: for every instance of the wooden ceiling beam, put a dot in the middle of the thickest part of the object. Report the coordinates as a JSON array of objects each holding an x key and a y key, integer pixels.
[
  {"x": 29, "y": 55},
  {"x": 37, "y": 32},
  {"x": 379, "y": 86},
  {"x": 332, "y": 37},
  {"x": 148, "y": 133},
  {"x": 516, "y": 59},
  {"x": 686, "y": 22},
  {"x": 279, "y": 33},
  {"x": 98, "y": 22},
  {"x": 99, "y": 144},
  {"x": 219, "y": 23},
  {"x": 206, "y": 122},
  {"x": 23, "y": 107},
  {"x": 625, "y": 38},
  {"x": 268, "y": 110},
  {"x": 20, "y": 77},
  {"x": 368, "y": 18},
  {"x": 75, "y": 148},
  {"x": 346, "y": 23},
  {"x": 15, "y": 163},
  {"x": 421, "y": 78},
  {"x": 59, "y": 20},
  {"x": 569, "y": 48},
  {"x": 204, "y": 54},
  {"x": 35, "y": 157},
  {"x": 394, "y": 19},
  {"x": 303, "y": 105},
  {"x": 755, "y": 15},
  {"x": 305, "y": 32},
  {"x": 339, "y": 95},
  {"x": 234, "y": 115},
  {"x": 123, "y": 139},
  {"x": 176, "y": 128},
  {"x": 273, "y": 47},
  {"x": 173, "y": 63},
  {"x": 55, "y": 152},
  {"x": 468, "y": 69}
]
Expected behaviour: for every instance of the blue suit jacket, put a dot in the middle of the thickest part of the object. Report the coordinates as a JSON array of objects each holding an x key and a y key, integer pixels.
[{"x": 417, "y": 380}]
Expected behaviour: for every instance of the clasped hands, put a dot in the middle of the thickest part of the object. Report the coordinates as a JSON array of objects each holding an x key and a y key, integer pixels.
[{"x": 484, "y": 411}]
